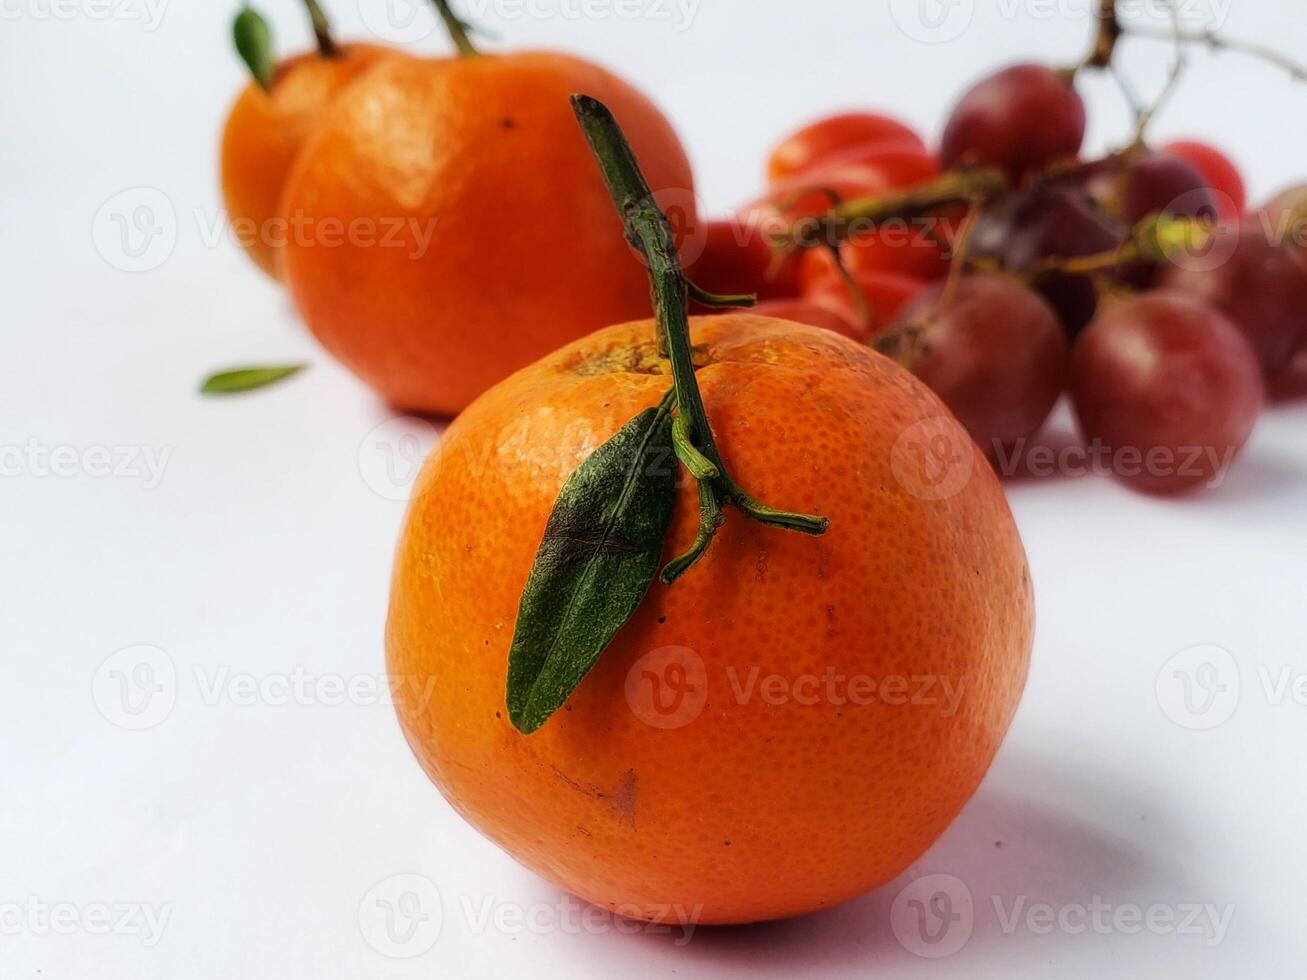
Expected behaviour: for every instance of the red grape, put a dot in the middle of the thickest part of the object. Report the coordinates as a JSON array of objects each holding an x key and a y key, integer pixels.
[
  {"x": 1166, "y": 185},
  {"x": 994, "y": 353},
  {"x": 1050, "y": 222},
  {"x": 1018, "y": 120},
  {"x": 1130, "y": 187},
  {"x": 1220, "y": 173},
  {"x": 1168, "y": 386},
  {"x": 1261, "y": 287},
  {"x": 1284, "y": 218}
]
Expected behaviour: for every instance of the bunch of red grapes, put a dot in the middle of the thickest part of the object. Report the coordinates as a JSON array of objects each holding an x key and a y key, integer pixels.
[{"x": 1053, "y": 282}]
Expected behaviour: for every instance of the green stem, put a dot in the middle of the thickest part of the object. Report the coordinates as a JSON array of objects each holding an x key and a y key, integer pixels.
[
  {"x": 856, "y": 217},
  {"x": 719, "y": 301},
  {"x": 648, "y": 230},
  {"x": 322, "y": 30},
  {"x": 1154, "y": 239},
  {"x": 1218, "y": 43},
  {"x": 457, "y": 30}
]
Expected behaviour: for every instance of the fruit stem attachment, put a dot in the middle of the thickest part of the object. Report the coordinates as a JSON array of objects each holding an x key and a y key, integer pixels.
[
  {"x": 852, "y": 218},
  {"x": 648, "y": 230},
  {"x": 322, "y": 30},
  {"x": 457, "y": 30},
  {"x": 1155, "y": 239}
]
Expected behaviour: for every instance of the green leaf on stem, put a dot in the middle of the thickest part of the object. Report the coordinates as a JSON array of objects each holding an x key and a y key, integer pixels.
[
  {"x": 238, "y": 380},
  {"x": 254, "y": 45},
  {"x": 599, "y": 554}
]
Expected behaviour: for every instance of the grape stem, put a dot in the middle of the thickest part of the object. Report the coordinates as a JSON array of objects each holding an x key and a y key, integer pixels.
[
  {"x": 1143, "y": 119},
  {"x": 648, "y": 230},
  {"x": 859, "y": 216},
  {"x": 1216, "y": 43},
  {"x": 1109, "y": 32},
  {"x": 1152, "y": 240}
]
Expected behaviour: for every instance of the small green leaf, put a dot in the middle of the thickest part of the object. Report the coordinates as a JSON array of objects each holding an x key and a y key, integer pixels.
[
  {"x": 254, "y": 45},
  {"x": 599, "y": 554},
  {"x": 247, "y": 378}
]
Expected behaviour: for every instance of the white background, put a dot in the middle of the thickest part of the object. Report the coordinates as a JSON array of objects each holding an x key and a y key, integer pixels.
[{"x": 262, "y": 830}]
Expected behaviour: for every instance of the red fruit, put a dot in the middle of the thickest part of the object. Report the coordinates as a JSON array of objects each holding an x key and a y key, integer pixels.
[
  {"x": 1158, "y": 183},
  {"x": 1283, "y": 218},
  {"x": 812, "y": 144},
  {"x": 1220, "y": 173},
  {"x": 1030, "y": 227},
  {"x": 994, "y": 353},
  {"x": 736, "y": 258},
  {"x": 1168, "y": 386},
  {"x": 885, "y": 294},
  {"x": 1019, "y": 120},
  {"x": 1261, "y": 287},
  {"x": 1130, "y": 186},
  {"x": 806, "y": 311},
  {"x": 1291, "y": 382},
  {"x": 800, "y": 200}
]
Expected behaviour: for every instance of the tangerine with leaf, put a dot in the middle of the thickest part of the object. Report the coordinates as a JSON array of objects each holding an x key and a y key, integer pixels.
[{"x": 649, "y": 683}]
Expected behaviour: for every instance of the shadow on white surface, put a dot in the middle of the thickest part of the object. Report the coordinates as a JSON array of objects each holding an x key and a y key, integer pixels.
[{"x": 1038, "y": 833}]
